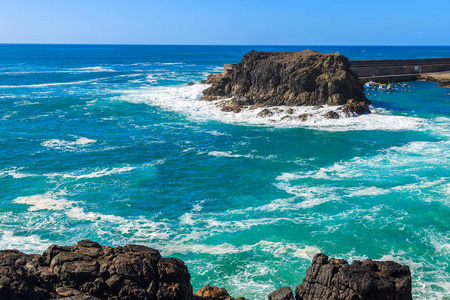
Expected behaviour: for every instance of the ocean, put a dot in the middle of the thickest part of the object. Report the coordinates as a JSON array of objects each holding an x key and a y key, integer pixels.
[{"x": 106, "y": 142}]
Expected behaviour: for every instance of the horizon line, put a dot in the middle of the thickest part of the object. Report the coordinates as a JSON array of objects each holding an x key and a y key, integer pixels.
[{"x": 233, "y": 45}]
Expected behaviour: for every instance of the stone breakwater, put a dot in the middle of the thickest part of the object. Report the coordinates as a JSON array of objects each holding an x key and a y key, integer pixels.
[
  {"x": 89, "y": 271},
  {"x": 276, "y": 79}
]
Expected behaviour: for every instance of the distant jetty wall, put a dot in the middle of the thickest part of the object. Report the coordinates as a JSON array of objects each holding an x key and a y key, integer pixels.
[
  {"x": 392, "y": 70},
  {"x": 397, "y": 69}
]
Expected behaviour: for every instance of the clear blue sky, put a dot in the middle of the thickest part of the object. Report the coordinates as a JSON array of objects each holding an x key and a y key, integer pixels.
[{"x": 226, "y": 22}]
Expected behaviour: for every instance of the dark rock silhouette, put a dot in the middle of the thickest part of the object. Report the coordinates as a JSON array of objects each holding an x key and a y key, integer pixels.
[{"x": 306, "y": 78}]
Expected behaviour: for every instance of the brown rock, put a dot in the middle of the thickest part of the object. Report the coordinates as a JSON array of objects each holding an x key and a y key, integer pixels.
[
  {"x": 303, "y": 117},
  {"x": 265, "y": 113},
  {"x": 215, "y": 293},
  {"x": 331, "y": 115}
]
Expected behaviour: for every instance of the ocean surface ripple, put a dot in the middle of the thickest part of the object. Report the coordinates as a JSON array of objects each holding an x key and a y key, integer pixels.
[{"x": 108, "y": 143}]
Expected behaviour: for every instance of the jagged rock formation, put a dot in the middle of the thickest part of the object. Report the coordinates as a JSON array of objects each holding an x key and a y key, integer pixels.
[
  {"x": 336, "y": 279},
  {"x": 90, "y": 271},
  {"x": 306, "y": 78},
  {"x": 284, "y": 293}
]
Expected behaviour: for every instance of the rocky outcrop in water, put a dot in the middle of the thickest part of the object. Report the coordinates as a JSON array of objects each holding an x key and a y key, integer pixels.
[
  {"x": 89, "y": 271},
  {"x": 336, "y": 279},
  {"x": 443, "y": 78},
  {"x": 213, "y": 293},
  {"x": 306, "y": 78}
]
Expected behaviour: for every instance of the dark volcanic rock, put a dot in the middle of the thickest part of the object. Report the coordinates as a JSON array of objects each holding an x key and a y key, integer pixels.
[
  {"x": 336, "y": 279},
  {"x": 305, "y": 78},
  {"x": 284, "y": 293},
  {"x": 90, "y": 271}
]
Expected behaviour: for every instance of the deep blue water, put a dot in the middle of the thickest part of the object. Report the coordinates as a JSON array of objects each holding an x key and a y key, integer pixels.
[{"x": 106, "y": 142}]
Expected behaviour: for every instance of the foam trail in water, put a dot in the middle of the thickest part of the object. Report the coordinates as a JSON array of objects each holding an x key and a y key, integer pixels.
[
  {"x": 56, "y": 202},
  {"x": 67, "y": 145},
  {"x": 95, "y": 174},
  {"x": 14, "y": 173},
  {"x": 185, "y": 100},
  {"x": 49, "y": 84}
]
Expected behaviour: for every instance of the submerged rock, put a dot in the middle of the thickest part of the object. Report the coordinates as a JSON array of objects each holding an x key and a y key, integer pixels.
[
  {"x": 336, "y": 279},
  {"x": 331, "y": 115},
  {"x": 306, "y": 78}
]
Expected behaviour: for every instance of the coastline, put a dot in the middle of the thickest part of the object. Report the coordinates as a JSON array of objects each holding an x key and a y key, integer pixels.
[
  {"x": 89, "y": 271},
  {"x": 443, "y": 78},
  {"x": 204, "y": 186}
]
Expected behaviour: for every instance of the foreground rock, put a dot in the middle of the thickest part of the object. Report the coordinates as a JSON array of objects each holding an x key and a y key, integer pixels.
[
  {"x": 90, "y": 271},
  {"x": 336, "y": 279},
  {"x": 306, "y": 78},
  {"x": 213, "y": 293},
  {"x": 284, "y": 293}
]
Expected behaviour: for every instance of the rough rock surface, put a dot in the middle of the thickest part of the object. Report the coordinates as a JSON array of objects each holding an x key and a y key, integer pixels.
[
  {"x": 213, "y": 293},
  {"x": 284, "y": 293},
  {"x": 89, "y": 271},
  {"x": 306, "y": 78},
  {"x": 443, "y": 78},
  {"x": 336, "y": 279}
]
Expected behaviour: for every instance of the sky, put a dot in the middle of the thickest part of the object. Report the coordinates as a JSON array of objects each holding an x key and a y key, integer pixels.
[{"x": 226, "y": 22}]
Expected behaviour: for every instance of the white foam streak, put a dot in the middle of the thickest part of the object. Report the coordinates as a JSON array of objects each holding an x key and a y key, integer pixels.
[
  {"x": 185, "y": 100},
  {"x": 48, "y": 201},
  {"x": 75, "y": 70},
  {"x": 277, "y": 249},
  {"x": 30, "y": 243},
  {"x": 48, "y": 84},
  {"x": 56, "y": 202},
  {"x": 14, "y": 173},
  {"x": 226, "y": 154},
  {"x": 67, "y": 145},
  {"x": 96, "y": 174}
]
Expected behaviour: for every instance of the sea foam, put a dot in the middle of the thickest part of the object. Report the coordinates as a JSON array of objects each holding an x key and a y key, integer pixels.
[
  {"x": 185, "y": 100},
  {"x": 68, "y": 145}
]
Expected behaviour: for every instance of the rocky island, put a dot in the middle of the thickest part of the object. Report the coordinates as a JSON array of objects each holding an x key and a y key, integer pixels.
[
  {"x": 89, "y": 271},
  {"x": 289, "y": 79}
]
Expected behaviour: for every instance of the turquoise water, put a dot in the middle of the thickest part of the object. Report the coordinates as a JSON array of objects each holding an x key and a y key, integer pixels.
[{"x": 107, "y": 143}]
